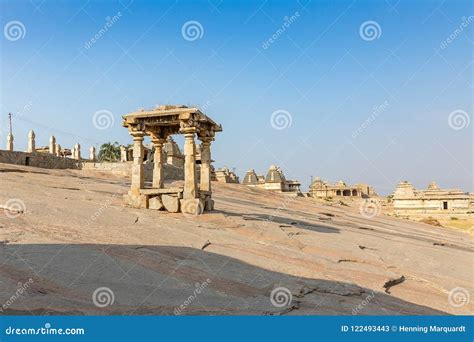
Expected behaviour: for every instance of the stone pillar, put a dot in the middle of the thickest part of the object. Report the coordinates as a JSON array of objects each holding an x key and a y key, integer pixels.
[
  {"x": 10, "y": 142},
  {"x": 190, "y": 184},
  {"x": 52, "y": 145},
  {"x": 205, "y": 184},
  {"x": 92, "y": 153},
  {"x": 138, "y": 179},
  {"x": 77, "y": 150},
  {"x": 31, "y": 142},
  {"x": 158, "y": 175},
  {"x": 123, "y": 153},
  {"x": 58, "y": 150}
]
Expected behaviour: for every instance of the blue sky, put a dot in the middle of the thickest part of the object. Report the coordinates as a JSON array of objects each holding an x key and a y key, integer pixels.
[{"x": 363, "y": 108}]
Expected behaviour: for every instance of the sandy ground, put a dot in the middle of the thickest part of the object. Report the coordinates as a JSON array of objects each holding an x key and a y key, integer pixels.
[{"x": 76, "y": 237}]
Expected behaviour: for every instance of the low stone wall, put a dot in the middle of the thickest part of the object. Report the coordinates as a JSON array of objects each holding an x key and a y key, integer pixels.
[
  {"x": 125, "y": 169},
  {"x": 44, "y": 160}
]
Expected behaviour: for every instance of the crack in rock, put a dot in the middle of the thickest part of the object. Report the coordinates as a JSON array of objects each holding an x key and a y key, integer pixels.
[{"x": 393, "y": 282}]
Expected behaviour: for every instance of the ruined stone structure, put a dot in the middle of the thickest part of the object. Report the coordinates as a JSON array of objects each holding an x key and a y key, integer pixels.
[
  {"x": 409, "y": 201},
  {"x": 322, "y": 189},
  {"x": 44, "y": 160},
  {"x": 225, "y": 175},
  {"x": 173, "y": 154},
  {"x": 159, "y": 124},
  {"x": 124, "y": 169},
  {"x": 51, "y": 156},
  {"x": 126, "y": 153},
  {"x": 274, "y": 180}
]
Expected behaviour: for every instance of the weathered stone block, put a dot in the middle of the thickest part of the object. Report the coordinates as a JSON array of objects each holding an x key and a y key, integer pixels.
[
  {"x": 208, "y": 204},
  {"x": 136, "y": 201},
  {"x": 171, "y": 203},
  {"x": 155, "y": 203},
  {"x": 194, "y": 206}
]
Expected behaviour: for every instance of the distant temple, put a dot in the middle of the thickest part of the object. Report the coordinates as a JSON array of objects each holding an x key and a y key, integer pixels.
[
  {"x": 407, "y": 200},
  {"x": 322, "y": 189},
  {"x": 225, "y": 175},
  {"x": 274, "y": 180}
]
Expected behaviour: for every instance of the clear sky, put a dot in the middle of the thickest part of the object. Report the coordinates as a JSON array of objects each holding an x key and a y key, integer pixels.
[{"x": 363, "y": 91}]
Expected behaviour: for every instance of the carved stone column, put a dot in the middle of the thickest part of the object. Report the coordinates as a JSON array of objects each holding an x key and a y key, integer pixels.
[
  {"x": 77, "y": 150},
  {"x": 92, "y": 153},
  {"x": 123, "y": 153},
  {"x": 31, "y": 142},
  {"x": 52, "y": 145},
  {"x": 10, "y": 142},
  {"x": 138, "y": 179},
  {"x": 158, "y": 175},
  {"x": 205, "y": 184},
  {"x": 190, "y": 184}
]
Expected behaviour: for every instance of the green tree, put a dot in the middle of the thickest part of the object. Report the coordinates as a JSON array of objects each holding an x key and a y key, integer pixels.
[{"x": 109, "y": 152}]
